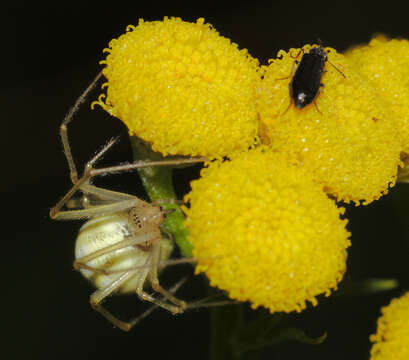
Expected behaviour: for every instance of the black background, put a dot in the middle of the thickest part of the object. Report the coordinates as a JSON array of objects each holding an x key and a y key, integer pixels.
[{"x": 50, "y": 52}]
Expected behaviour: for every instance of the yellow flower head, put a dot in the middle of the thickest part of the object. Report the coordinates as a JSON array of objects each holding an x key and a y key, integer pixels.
[
  {"x": 346, "y": 140},
  {"x": 263, "y": 231},
  {"x": 182, "y": 87},
  {"x": 391, "y": 341},
  {"x": 386, "y": 64}
]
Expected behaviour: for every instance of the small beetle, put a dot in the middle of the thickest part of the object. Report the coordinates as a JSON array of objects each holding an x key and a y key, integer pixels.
[{"x": 306, "y": 82}]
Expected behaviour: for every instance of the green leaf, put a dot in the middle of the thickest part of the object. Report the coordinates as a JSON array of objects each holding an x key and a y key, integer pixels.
[
  {"x": 239, "y": 338},
  {"x": 366, "y": 287},
  {"x": 292, "y": 333}
]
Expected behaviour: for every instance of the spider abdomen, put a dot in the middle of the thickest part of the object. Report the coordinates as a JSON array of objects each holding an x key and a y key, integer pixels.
[{"x": 101, "y": 232}]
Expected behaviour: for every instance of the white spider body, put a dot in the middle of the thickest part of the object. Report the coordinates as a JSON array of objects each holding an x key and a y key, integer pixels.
[{"x": 102, "y": 231}]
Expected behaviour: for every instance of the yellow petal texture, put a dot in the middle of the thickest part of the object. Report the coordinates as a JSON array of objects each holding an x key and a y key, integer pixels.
[
  {"x": 263, "y": 231},
  {"x": 391, "y": 341},
  {"x": 386, "y": 64},
  {"x": 183, "y": 88},
  {"x": 346, "y": 140}
]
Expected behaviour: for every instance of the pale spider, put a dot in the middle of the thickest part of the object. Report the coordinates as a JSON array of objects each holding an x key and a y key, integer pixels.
[{"x": 120, "y": 248}]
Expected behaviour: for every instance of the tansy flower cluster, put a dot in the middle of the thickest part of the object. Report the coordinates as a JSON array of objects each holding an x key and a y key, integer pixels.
[
  {"x": 385, "y": 63},
  {"x": 261, "y": 223},
  {"x": 182, "y": 87},
  {"x": 391, "y": 341},
  {"x": 347, "y": 140},
  {"x": 263, "y": 231}
]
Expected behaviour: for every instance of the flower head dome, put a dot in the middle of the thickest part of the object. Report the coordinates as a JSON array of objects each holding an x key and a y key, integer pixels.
[
  {"x": 391, "y": 341},
  {"x": 182, "y": 87},
  {"x": 346, "y": 139},
  {"x": 263, "y": 231},
  {"x": 386, "y": 64}
]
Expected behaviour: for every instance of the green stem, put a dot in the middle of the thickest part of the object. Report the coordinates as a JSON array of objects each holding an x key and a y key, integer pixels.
[
  {"x": 158, "y": 184},
  {"x": 224, "y": 324}
]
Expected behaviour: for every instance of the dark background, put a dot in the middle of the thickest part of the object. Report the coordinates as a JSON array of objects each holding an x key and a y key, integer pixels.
[{"x": 50, "y": 53}]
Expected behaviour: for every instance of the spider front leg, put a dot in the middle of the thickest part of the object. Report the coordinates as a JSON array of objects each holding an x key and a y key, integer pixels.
[
  {"x": 64, "y": 131},
  {"x": 83, "y": 185},
  {"x": 100, "y": 202}
]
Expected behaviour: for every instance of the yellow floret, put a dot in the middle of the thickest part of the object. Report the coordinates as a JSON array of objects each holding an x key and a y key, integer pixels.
[
  {"x": 263, "y": 231},
  {"x": 183, "y": 88},
  {"x": 391, "y": 341},
  {"x": 386, "y": 64},
  {"x": 346, "y": 140}
]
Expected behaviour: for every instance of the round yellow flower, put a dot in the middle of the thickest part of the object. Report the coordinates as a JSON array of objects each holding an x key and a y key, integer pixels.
[
  {"x": 347, "y": 140},
  {"x": 263, "y": 231},
  {"x": 183, "y": 88},
  {"x": 391, "y": 341},
  {"x": 386, "y": 64}
]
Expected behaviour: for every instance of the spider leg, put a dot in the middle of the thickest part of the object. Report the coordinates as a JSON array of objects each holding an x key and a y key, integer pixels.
[
  {"x": 152, "y": 308},
  {"x": 117, "y": 202},
  {"x": 144, "y": 164},
  {"x": 166, "y": 263},
  {"x": 126, "y": 326},
  {"x": 64, "y": 132},
  {"x": 83, "y": 185},
  {"x": 98, "y": 296},
  {"x": 168, "y": 202},
  {"x": 205, "y": 303},
  {"x": 153, "y": 277},
  {"x": 143, "y": 295}
]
